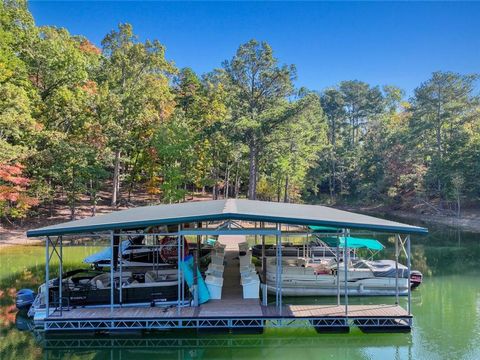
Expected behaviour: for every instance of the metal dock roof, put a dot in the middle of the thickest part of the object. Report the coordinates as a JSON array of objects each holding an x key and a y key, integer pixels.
[{"x": 231, "y": 209}]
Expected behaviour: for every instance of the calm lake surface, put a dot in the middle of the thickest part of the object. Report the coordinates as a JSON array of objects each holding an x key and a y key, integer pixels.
[{"x": 446, "y": 311}]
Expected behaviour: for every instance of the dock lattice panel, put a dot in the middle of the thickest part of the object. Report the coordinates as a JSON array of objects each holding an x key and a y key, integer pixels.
[{"x": 118, "y": 324}]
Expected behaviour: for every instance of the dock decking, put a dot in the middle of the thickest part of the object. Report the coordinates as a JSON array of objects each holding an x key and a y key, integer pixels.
[
  {"x": 232, "y": 311},
  {"x": 224, "y": 309}
]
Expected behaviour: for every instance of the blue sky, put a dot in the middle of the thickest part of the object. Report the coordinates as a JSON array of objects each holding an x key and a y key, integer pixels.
[{"x": 380, "y": 43}]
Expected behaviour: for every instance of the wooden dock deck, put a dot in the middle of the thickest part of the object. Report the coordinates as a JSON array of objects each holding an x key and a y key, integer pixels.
[
  {"x": 225, "y": 309},
  {"x": 229, "y": 312}
]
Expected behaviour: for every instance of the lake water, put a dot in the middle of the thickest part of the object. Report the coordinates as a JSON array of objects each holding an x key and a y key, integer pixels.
[{"x": 446, "y": 311}]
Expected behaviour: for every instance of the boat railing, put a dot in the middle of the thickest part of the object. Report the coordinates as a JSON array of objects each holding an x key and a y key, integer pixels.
[{"x": 60, "y": 304}]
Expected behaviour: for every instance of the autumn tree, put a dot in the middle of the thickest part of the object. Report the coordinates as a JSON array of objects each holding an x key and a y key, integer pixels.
[{"x": 135, "y": 76}]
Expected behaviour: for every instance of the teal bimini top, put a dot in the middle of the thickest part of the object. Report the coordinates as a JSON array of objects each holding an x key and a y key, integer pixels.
[
  {"x": 230, "y": 209},
  {"x": 354, "y": 243},
  {"x": 324, "y": 229}
]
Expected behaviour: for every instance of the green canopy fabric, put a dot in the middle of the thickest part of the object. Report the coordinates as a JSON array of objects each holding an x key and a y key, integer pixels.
[{"x": 354, "y": 243}]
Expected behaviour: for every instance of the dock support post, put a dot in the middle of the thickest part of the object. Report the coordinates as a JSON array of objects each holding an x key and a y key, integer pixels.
[
  {"x": 396, "y": 269},
  {"x": 278, "y": 293},
  {"x": 264, "y": 270},
  {"x": 345, "y": 264},
  {"x": 120, "y": 255},
  {"x": 60, "y": 275},
  {"x": 195, "y": 267},
  {"x": 179, "y": 273},
  {"x": 112, "y": 281},
  {"x": 182, "y": 258},
  {"x": 409, "y": 265},
  {"x": 47, "y": 277},
  {"x": 338, "y": 271}
]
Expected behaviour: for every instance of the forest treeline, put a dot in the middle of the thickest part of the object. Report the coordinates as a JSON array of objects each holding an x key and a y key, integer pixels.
[{"x": 76, "y": 119}]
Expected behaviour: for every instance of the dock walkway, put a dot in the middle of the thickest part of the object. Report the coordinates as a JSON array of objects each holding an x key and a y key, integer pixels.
[{"x": 232, "y": 302}]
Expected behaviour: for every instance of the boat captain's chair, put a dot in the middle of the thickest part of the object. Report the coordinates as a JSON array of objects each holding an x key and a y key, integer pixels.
[
  {"x": 149, "y": 277},
  {"x": 101, "y": 281}
]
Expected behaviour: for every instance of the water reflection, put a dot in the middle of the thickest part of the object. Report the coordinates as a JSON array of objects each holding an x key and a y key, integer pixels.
[{"x": 173, "y": 345}]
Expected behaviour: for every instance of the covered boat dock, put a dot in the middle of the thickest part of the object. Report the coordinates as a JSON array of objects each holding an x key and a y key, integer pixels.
[{"x": 232, "y": 221}]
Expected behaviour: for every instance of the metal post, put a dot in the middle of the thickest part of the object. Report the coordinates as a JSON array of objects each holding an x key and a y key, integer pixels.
[
  {"x": 304, "y": 248},
  {"x": 264, "y": 270},
  {"x": 396, "y": 269},
  {"x": 195, "y": 267},
  {"x": 409, "y": 265},
  {"x": 60, "y": 275},
  {"x": 178, "y": 272},
  {"x": 112, "y": 280},
  {"x": 47, "y": 277},
  {"x": 182, "y": 257},
  {"x": 279, "y": 269},
  {"x": 345, "y": 264},
  {"x": 338, "y": 271},
  {"x": 277, "y": 265},
  {"x": 120, "y": 253}
]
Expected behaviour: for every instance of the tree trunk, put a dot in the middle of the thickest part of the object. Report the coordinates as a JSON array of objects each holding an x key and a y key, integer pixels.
[
  {"x": 116, "y": 178},
  {"x": 333, "y": 164},
  {"x": 252, "y": 176},
  {"x": 132, "y": 178},
  {"x": 458, "y": 204},
  {"x": 438, "y": 135},
  {"x": 93, "y": 198},
  {"x": 72, "y": 199},
  {"x": 227, "y": 182},
  {"x": 237, "y": 181},
  {"x": 285, "y": 196},
  {"x": 279, "y": 189}
]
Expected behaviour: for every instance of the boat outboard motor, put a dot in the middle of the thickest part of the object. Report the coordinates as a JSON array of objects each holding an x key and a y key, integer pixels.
[
  {"x": 23, "y": 322},
  {"x": 25, "y": 299}
]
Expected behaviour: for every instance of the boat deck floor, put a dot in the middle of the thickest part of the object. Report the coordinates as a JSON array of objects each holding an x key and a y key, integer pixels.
[{"x": 233, "y": 309}]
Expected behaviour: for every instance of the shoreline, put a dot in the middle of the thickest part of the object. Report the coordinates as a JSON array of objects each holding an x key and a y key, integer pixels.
[{"x": 469, "y": 221}]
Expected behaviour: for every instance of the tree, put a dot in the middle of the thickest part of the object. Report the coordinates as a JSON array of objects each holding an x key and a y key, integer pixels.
[
  {"x": 441, "y": 108},
  {"x": 333, "y": 107},
  {"x": 292, "y": 149},
  {"x": 14, "y": 198},
  {"x": 361, "y": 103},
  {"x": 172, "y": 153},
  {"x": 135, "y": 77},
  {"x": 258, "y": 86}
]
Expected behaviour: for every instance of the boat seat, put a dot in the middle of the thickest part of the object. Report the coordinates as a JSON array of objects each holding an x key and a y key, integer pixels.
[
  {"x": 101, "y": 281},
  {"x": 149, "y": 277}
]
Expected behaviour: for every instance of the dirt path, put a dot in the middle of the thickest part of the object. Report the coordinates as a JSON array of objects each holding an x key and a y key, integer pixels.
[
  {"x": 60, "y": 212},
  {"x": 10, "y": 237}
]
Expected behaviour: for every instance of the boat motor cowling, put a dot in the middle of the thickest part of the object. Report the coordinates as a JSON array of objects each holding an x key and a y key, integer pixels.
[{"x": 25, "y": 299}]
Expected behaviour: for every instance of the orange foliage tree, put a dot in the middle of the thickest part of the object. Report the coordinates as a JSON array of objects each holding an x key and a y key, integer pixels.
[{"x": 14, "y": 198}]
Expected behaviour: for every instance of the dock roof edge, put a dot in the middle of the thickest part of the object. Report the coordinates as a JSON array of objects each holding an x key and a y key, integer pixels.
[{"x": 218, "y": 210}]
